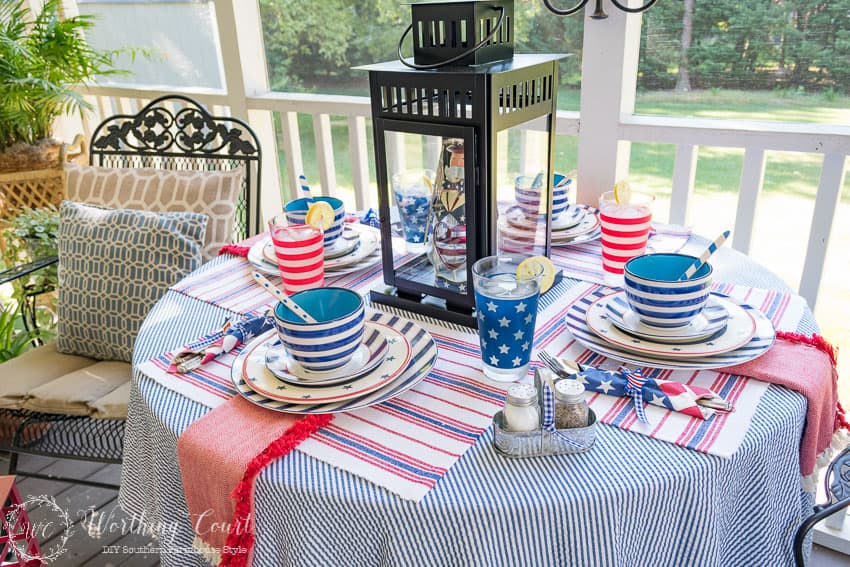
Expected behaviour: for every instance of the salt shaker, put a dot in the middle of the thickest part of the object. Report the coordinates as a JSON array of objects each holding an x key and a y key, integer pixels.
[
  {"x": 571, "y": 410},
  {"x": 521, "y": 412}
]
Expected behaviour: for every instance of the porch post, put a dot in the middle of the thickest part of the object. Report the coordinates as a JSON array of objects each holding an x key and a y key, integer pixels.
[
  {"x": 243, "y": 57},
  {"x": 608, "y": 80}
]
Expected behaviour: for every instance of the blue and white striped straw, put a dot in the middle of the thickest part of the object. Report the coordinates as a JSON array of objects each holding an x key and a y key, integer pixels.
[
  {"x": 703, "y": 258},
  {"x": 305, "y": 189},
  {"x": 285, "y": 299}
]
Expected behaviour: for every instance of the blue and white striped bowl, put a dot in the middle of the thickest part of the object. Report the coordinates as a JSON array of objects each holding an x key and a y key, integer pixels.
[
  {"x": 296, "y": 213},
  {"x": 528, "y": 196},
  {"x": 653, "y": 292},
  {"x": 330, "y": 343}
]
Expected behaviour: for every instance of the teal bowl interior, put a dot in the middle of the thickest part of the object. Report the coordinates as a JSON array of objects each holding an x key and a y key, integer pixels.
[
  {"x": 324, "y": 304},
  {"x": 664, "y": 267},
  {"x": 301, "y": 205}
]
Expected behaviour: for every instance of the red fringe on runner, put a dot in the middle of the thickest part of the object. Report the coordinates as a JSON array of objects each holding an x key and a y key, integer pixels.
[
  {"x": 234, "y": 249},
  {"x": 820, "y": 343},
  {"x": 240, "y": 538}
]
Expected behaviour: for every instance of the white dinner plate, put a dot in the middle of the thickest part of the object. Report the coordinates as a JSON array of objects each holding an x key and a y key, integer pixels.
[
  {"x": 263, "y": 381},
  {"x": 422, "y": 358},
  {"x": 569, "y": 218},
  {"x": 345, "y": 244},
  {"x": 706, "y": 324},
  {"x": 371, "y": 352},
  {"x": 588, "y": 224},
  {"x": 366, "y": 245},
  {"x": 589, "y": 237},
  {"x": 739, "y": 329},
  {"x": 576, "y": 322}
]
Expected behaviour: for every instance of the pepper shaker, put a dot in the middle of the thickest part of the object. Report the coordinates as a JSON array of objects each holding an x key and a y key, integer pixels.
[
  {"x": 522, "y": 412},
  {"x": 571, "y": 410}
]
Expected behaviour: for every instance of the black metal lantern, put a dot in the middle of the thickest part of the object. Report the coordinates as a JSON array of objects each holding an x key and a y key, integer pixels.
[{"x": 460, "y": 151}]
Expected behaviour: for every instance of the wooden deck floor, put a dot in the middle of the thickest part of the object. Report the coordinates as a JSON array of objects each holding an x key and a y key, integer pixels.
[{"x": 115, "y": 545}]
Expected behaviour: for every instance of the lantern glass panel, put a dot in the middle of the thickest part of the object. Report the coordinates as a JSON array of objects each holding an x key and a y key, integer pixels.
[
  {"x": 427, "y": 183},
  {"x": 522, "y": 179}
]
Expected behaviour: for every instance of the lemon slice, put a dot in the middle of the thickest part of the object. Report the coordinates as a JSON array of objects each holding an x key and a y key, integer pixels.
[
  {"x": 528, "y": 269},
  {"x": 320, "y": 215},
  {"x": 622, "y": 192}
]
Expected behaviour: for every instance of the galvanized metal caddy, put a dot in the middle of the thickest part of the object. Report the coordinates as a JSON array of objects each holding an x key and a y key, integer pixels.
[{"x": 520, "y": 444}]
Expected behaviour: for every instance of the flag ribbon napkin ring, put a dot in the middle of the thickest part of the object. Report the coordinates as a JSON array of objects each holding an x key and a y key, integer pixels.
[
  {"x": 689, "y": 399},
  {"x": 228, "y": 338}
]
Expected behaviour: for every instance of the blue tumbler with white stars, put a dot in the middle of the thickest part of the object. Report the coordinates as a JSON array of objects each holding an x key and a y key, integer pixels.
[
  {"x": 413, "y": 191},
  {"x": 506, "y": 307}
]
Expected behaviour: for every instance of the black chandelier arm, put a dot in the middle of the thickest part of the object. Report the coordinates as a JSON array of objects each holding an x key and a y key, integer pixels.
[
  {"x": 638, "y": 10},
  {"x": 562, "y": 12},
  {"x": 451, "y": 60}
]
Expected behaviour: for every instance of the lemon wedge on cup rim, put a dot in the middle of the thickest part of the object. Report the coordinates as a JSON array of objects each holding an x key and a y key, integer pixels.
[
  {"x": 320, "y": 215},
  {"x": 622, "y": 192},
  {"x": 528, "y": 269}
]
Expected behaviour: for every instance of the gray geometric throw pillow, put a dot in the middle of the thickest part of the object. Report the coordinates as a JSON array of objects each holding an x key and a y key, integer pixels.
[{"x": 114, "y": 264}]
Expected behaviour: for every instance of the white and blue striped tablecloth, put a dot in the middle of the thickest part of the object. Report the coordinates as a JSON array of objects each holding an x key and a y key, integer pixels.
[{"x": 630, "y": 501}]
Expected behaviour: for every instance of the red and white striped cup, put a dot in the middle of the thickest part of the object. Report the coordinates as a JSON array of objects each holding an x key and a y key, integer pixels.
[
  {"x": 300, "y": 253},
  {"x": 625, "y": 229}
]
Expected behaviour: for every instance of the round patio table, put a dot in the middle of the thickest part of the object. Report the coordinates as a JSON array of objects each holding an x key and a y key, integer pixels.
[{"x": 631, "y": 500}]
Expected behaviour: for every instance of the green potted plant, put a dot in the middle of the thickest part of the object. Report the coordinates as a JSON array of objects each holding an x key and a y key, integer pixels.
[
  {"x": 32, "y": 234},
  {"x": 44, "y": 58}
]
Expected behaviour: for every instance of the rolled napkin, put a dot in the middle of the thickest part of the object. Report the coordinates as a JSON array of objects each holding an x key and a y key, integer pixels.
[
  {"x": 230, "y": 336},
  {"x": 806, "y": 365},
  {"x": 370, "y": 218},
  {"x": 220, "y": 457},
  {"x": 688, "y": 399}
]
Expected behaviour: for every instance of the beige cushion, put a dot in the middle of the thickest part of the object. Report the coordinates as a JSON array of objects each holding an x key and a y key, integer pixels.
[
  {"x": 73, "y": 393},
  {"x": 213, "y": 193},
  {"x": 34, "y": 368},
  {"x": 114, "y": 404}
]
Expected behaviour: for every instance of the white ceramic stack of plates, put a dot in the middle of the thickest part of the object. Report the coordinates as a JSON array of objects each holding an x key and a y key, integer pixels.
[
  {"x": 727, "y": 332},
  {"x": 395, "y": 355},
  {"x": 518, "y": 232},
  {"x": 357, "y": 248}
]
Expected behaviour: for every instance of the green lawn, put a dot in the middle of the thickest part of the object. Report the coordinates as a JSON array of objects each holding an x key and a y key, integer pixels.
[{"x": 719, "y": 169}]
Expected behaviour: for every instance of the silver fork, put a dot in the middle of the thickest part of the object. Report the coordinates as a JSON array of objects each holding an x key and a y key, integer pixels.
[{"x": 556, "y": 365}]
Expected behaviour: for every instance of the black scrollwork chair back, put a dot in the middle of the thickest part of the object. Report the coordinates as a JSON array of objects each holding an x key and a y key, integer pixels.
[
  {"x": 837, "y": 485},
  {"x": 175, "y": 132}
]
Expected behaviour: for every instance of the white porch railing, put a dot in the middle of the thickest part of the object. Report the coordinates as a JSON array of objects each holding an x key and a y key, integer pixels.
[{"x": 687, "y": 134}]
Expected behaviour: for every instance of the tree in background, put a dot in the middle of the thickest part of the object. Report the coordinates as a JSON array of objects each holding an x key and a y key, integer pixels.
[
  {"x": 761, "y": 44},
  {"x": 311, "y": 44},
  {"x": 683, "y": 81},
  {"x": 307, "y": 40}
]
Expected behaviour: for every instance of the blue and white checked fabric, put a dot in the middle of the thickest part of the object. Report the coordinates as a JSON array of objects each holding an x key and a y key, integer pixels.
[
  {"x": 548, "y": 421},
  {"x": 631, "y": 500},
  {"x": 634, "y": 387}
]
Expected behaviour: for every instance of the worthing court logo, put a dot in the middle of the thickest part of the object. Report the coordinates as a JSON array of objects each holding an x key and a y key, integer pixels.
[{"x": 54, "y": 520}]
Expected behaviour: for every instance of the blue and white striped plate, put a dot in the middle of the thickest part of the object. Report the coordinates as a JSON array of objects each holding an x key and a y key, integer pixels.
[
  {"x": 739, "y": 328},
  {"x": 263, "y": 381},
  {"x": 708, "y": 323},
  {"x": 576, "y": 322},
  {"x": 423, "y": 354}
]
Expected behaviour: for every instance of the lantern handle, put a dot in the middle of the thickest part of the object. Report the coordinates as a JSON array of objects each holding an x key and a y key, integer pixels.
[{"x": 470, "y": 51}]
